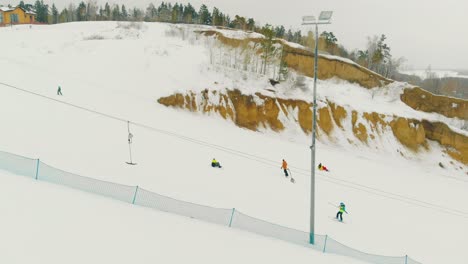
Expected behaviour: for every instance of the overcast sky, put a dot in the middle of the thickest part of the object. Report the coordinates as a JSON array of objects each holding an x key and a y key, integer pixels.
[{"x": 425, "y": 32}]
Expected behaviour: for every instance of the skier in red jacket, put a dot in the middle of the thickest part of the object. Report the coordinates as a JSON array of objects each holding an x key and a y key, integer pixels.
[{"x": 322, "y": 168}]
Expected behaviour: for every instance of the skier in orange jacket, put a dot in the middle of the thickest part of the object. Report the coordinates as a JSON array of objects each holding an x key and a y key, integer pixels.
[{"x": 285, "y": 168}]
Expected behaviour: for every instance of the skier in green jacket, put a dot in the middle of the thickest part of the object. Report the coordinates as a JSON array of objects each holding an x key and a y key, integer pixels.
[
  {"x": 215, "y": 163},
  {"x": 340, "y": 212}
]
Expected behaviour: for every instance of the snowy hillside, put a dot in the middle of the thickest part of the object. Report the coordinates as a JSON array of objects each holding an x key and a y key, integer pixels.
[
  {"x": 396, "y": 206},
  {"x": 84, "y": 228}
]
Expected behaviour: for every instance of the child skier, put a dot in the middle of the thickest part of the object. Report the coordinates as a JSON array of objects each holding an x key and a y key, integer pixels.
[
  {"x": 340, "y": 212},
  {"x": 215, "y": 163},
  {"x": 284, "y": 166},
  {"x": 322, "y": 168}
]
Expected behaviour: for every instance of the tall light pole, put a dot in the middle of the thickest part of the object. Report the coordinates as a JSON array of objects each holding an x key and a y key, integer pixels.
[{"x": 324, "y": 18}]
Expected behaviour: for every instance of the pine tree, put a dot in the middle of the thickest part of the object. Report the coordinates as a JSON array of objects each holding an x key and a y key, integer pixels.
[
  {"x": 250, "y": 24},
  {"x": 116, "y": 13},
  {"x": 239, "y": 22},
  {"x": 280, "y": 31},
  {"x": 267, "y": 45},
  {"x": 180, "y": 13},
  {"x": 42, "y": 11},
  {"x": 329, "y": 40},
  {"x": 227, "y": 21},
  {"x": 164, "y": 12},
  {"x": 204, "y": 15},
  {"x": 107, "y": 11},
  {"x": 137, "y": 14},
  {"x": 22, "y": 5},
  {"x": 124, "y": 13},
  {"x": 216, "y": 17},
  {"x": 283, "y": 67},
  {"x": 175, "y": 13},
  {"x": 101, "y": 14},
  {"x": 29, "y": 7},
  {"x": 55, "y": 14},
  {"x": 362, "y": 57},
  {"x": 289, "y": 35},
  {"x": 81, "y": 12},
  {"x": 297, "y": 37},
  {"x": 189, "y": 12},
  {"x": 329, "y": 37},
  {"x": 64, "y": 16}
]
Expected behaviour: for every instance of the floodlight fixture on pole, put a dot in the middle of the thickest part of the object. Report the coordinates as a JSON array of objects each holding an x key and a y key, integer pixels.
[{"x": 324, "y": 18}]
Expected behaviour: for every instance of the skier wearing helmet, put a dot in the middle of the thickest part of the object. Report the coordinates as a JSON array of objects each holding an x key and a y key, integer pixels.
[
  {"x": 215, "y": 163},
  {"x": 340, "y": 212}
]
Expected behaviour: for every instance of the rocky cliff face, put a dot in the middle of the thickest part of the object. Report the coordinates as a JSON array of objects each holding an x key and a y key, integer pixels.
[
  {"x": 260, "y": 111},
  {"x": 301, "y": 60},
  {"x": 328, "y": 67},
  {"x": 421, "y": 100}
]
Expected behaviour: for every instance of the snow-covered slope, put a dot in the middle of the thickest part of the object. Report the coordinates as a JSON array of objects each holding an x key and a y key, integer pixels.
[
  {"x": 52, "y": 224},
  {"x": 396, "y": 206}
]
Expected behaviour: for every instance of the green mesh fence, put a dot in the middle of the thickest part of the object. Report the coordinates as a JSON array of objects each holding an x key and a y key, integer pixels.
[{"x": 229, "y": 217}]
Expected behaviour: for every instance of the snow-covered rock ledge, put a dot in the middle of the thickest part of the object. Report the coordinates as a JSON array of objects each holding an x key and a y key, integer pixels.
[{"x": 336, "y": 123}]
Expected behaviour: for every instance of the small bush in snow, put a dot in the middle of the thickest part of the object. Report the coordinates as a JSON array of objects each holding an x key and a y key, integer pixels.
[
  {"x": 300, "y": 82},
  {"x": 95, "y": 37},
  {"x": 465, "y": 126},
  {"x": 174, "y": 32},
  {"x": 131, "y": 25}
]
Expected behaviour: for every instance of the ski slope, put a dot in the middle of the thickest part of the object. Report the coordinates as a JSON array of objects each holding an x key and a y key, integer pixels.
[
  {"x": 47, "y": 223},
  {"x": 397, "y": 206}
]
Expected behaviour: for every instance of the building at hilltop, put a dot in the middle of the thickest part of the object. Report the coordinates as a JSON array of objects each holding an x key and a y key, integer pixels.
[{"x": 16, "y": 15}]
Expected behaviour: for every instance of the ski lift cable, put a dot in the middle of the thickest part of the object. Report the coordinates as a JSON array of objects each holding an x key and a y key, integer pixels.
[{"x": 266, "y": 161}]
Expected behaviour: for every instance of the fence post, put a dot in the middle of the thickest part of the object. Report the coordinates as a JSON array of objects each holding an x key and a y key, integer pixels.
[
  {"x": 325, "y": 244},
  {"x": 134, "y": 196},
  {"x": 37, "y": 169},
  {"x": 232, "y": 216},
  {"x": 406, "y": 259}
]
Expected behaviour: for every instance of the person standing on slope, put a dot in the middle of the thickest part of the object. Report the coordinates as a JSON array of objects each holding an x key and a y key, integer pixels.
[
  {"x": 284, "y": 166},
  {"x": 340, "y": 212},
  {"x": 59, "y": 90}
]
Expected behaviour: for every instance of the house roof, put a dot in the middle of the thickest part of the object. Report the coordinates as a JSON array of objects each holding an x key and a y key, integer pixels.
[{"x": 7, "y": 9}]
